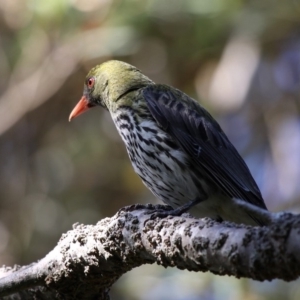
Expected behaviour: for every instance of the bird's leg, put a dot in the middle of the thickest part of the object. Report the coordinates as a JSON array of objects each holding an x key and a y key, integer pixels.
[{"x": 174, "y": 212}]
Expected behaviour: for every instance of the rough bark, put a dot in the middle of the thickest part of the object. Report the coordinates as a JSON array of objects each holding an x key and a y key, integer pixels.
[{"x": 89, "y": 259}]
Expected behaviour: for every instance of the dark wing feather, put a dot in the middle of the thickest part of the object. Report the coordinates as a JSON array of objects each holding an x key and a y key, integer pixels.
[{"x": 202, "y": 138}]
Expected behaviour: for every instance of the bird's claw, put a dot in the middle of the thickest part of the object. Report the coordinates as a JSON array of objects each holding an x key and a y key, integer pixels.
[{"x": 162, "y": 213}]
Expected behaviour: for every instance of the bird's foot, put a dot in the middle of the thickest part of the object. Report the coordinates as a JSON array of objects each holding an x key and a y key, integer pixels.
[
  {"x": 162, "y": 213},
  {"x": 169, "y": 211}
]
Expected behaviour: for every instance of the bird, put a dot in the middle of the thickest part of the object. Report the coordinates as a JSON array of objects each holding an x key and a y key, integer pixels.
[{"x": 175, "y": 146}]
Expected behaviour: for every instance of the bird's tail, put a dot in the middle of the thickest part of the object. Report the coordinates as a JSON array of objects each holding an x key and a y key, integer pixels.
[{"x": 246, "y": 213}]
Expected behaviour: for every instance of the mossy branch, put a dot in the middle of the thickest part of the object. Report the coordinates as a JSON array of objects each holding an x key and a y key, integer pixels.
[{"x": 88, "y": 260}]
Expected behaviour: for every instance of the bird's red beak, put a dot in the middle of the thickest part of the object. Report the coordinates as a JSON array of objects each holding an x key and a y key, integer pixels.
[{"x": 82, "y": 106}]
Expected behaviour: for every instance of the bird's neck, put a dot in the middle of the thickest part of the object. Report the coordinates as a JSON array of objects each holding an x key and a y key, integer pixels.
[
  {"x": 132, "y": 110},
  {"x": 131, "y": 99}
]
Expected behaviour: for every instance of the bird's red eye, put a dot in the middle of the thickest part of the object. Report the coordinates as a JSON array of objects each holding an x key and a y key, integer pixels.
[{"x": 90, "y": 82}]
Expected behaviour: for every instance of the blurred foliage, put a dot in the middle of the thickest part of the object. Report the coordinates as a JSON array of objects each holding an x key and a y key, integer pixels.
[{"x": 241, "y": 58}]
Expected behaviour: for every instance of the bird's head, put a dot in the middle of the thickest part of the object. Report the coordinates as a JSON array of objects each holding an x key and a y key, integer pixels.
[{"x": 108, "y": 84}]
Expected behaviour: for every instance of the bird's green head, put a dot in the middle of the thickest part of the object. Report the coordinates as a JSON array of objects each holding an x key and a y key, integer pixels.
[{"x": 109, "y": 85}]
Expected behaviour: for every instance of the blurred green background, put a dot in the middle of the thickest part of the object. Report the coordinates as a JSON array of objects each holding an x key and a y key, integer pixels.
[{"x": 240, "y": 58}]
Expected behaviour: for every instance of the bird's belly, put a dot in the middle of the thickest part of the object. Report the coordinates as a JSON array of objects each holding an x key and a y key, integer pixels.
[
  {"x": 166, "y": 180},
  {"x": 161, "y": 164}
]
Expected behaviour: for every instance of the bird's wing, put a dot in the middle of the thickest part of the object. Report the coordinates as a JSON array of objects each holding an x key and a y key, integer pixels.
[{"x": 200, "y": 136}]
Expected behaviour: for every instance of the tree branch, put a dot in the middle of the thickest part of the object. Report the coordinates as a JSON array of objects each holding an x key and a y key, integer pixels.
[{"x": 89, "y": 259}]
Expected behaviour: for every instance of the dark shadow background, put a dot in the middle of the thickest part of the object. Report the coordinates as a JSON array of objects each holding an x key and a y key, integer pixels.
[{"x": 240, "y": 58}]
